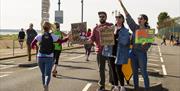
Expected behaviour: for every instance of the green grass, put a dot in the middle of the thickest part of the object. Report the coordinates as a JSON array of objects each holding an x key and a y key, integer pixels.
[{"x": 9, "y": 37}]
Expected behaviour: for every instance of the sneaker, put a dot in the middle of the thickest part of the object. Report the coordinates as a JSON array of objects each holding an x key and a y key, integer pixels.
[
  {"x": 123, "y": 88},
  {"x": 54, "y": 73},
  {"x": 116, "y": 88}
]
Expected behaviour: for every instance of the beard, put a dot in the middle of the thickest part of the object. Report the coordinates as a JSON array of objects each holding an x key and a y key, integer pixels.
[{"x": 102, "y": 21}]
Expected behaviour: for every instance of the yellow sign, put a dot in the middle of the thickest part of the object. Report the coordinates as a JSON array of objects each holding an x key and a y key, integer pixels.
[{"x": 127, "y": 70}]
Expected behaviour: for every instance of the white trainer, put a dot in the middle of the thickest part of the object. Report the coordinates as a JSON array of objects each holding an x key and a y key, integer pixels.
[
  {"x": 116, "y": 88},
  {"x": 123, "y": 88}
]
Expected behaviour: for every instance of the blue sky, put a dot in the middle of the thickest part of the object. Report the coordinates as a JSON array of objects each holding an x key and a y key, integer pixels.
[{"x": 16, "y": 14}]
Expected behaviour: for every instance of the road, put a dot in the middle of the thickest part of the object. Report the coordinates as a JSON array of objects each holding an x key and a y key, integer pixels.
[{"x": 76, "y": 74}]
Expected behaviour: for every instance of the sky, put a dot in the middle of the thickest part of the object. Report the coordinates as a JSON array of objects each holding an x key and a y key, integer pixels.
[{"x": 16, "y": 14}]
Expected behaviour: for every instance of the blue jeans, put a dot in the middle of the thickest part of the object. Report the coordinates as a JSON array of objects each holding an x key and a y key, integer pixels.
[
  {"x": 45, "y": 65},
  {"x": 139, "y": 59}
]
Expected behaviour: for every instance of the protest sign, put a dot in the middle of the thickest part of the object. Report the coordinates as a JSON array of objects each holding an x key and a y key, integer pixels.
[
  {"x": 107, "y": 36},
  {"x": 144, "y": 36},
  {"x": 79, "y": 33}
]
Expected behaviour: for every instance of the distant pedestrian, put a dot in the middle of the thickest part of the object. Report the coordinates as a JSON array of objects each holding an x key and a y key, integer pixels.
[
  {"x": 58, "y": 48},
  {"x": 139, "y": 51},
  {"x": 171, "y": 42},
  {"x": 31, "y": 34},
  {"x": 45, "y": 53},
  {"x": 177, "y": 41},
  {"x": 164, "y": 40},
  {"x": 88, "y": 46},
  {"x": 21, "y": 37}
]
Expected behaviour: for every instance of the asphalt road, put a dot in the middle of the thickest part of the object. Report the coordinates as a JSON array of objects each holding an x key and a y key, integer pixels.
[{"x": 76, "y": 74}]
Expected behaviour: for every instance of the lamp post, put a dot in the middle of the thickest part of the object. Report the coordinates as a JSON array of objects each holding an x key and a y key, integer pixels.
[
  {"x": 82, "y": 6},
  {"x": 59, "y": 5}
]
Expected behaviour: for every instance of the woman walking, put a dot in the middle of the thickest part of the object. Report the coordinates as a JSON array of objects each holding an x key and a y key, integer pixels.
[{"x": 45, "y": 53}]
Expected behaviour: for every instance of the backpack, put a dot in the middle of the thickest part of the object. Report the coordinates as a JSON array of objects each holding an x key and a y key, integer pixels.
[{"x": 46, "y": 44}]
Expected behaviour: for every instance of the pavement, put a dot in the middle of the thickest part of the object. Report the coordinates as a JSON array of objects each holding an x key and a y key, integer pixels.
[
  {"x": 17, "y": 52},
  {"x": 76, "y": 74}
]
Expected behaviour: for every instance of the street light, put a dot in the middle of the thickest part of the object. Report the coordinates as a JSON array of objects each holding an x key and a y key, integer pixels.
[
  {"x": 59, "y": 5},
  {"x": 82, "y": 4}
]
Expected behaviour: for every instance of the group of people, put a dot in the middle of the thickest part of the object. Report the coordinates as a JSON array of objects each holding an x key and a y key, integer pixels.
[
  {"x": 30, "y": 33},
  {"x": 172, "y": 40},
  {"x": 120, "y": 50},
  {"x": 50, "y": 48}
]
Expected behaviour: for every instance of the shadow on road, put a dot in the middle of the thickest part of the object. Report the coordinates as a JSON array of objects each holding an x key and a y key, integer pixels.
[
  {"x": 73, "y": 62},
  {"x": 75, "y": 67},
  {"x": 74, "y": 52},
  {"x": 76, "y": 78}
]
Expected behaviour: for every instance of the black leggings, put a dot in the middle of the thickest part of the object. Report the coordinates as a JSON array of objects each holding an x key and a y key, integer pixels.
[
  {"x": 113, "y": 74},
  {"x": 120, "y": 74},
  {"x": 56, "y": 56}
]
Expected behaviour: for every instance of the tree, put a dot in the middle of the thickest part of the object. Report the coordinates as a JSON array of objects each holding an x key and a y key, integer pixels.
[{"x": 163, "y": 16}]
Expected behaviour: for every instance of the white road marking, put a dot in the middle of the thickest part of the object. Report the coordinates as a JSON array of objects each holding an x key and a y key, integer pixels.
[
  {"x": 6, "y": 72},
  {"x": 151, "y": 64},
  {"x": 164, "y": 70},
  {"x": 160, "y": 54},
  {"x": 152, "y": 54},
  {"x": 3, "y": 75},
  {"x": 153, "y": 57},
  {"x": 9, "y": 62},
  {"x": 32, "y": 68},
  {"x": 87, "y": 87},
  {"x": 7, "y": 66},
  {"x": 154, "y": 60},
  {"x": 76, "y": 57},
  {"x": 161, "y": 59}
]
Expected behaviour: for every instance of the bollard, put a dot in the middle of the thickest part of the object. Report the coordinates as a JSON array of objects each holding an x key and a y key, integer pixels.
[{"x": 13, "y": 47}]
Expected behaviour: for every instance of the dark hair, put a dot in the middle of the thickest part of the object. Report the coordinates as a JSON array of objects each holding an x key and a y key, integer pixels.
[
  {"x": 145, "y": 18},
  {"x": 102, "y": 12},
  {"x": 57, "y": 25},
  {"x": 120, "y": 16},
  {"x": 89, "y": 29}
]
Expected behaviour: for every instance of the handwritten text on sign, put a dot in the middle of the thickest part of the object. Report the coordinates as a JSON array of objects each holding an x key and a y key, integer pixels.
[{"x": 107, "y": 36}]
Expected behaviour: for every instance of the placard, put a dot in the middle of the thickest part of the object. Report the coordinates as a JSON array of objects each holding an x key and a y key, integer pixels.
[
  {"x": 107, "y": 36},
  {"x": 79, "y": 33},
  {"x": 144, "y": 36}
]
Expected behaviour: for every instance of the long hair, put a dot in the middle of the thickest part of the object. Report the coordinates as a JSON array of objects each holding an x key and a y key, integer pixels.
[
  {"x": 120, "y": 16},
  {"x": 145, "y": 18}
]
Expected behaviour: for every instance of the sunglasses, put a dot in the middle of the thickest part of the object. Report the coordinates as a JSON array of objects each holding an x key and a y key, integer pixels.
[
  {"x": 140, "y": 18},
  {"x": 102, "y": 16}
]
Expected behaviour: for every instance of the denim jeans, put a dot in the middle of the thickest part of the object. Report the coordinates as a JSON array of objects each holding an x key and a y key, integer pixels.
[
  {"x": 45, "y": 65},
  {"x": 139, "y": 60}
]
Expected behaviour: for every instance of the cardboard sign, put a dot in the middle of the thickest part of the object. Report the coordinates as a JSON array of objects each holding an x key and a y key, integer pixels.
[
  {"x": 127, "y": 70},
  {"x": 79, "y": 33},
  {"x": 107, "y": 36},
  {"x": 144, "y": 36}
]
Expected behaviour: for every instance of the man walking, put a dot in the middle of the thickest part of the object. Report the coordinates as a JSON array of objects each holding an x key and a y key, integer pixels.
[{"x": 31, "y": 34}]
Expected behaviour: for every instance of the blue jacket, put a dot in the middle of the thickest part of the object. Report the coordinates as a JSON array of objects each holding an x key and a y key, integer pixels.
[{"x": 123, "y": 46}]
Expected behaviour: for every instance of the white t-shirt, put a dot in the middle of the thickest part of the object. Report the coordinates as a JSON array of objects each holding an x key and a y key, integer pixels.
[{"x": 39, "y": 38}]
